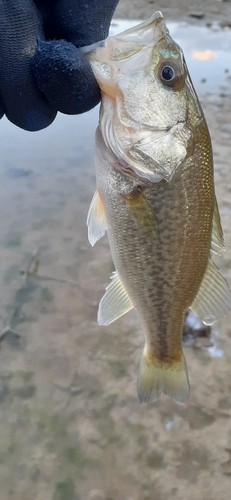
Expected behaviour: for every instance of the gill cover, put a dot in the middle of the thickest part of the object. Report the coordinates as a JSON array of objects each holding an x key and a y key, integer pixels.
[{"x": 147, "y": 97}]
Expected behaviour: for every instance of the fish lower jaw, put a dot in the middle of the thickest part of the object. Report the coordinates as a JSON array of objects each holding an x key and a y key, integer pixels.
[
  {"x": 142, "y": 174},
  {"x": 133, "y": 163},
  {"x": 145, "y": 174}
]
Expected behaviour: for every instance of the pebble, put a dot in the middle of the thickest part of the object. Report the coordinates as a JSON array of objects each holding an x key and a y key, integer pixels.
[
  {"x": 197, "y": 15},
  {"x": 202, "y": 342}
]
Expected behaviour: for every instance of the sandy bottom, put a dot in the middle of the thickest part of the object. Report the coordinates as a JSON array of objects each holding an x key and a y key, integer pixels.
[{"x": 71, "y": 425}]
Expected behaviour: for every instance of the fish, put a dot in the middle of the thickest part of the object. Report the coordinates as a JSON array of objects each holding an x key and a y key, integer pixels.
[{"x": 155, "y": 198}]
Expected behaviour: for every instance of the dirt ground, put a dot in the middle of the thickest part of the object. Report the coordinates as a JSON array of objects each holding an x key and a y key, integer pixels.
[
  {"x": 70, "y": 422},
  {"x": 196, "y": 11}
]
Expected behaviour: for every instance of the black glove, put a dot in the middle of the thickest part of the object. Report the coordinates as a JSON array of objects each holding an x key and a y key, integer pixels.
[{"x": 41, "y": 69}]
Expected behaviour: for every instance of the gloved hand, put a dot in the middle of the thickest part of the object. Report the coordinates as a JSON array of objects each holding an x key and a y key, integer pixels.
[{"x": 41, "y": 69}]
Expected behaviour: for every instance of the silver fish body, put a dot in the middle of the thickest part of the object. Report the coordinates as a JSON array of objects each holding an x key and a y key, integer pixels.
[{"x": 155, "y": 197}]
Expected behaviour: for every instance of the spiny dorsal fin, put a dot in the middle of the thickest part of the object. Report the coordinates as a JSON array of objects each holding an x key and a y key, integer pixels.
[
  {"x": 217, "y": 240},
  {"x": 114, "y": 303},
  {"x": 213, "y": 300},
  {"x": 96, "y": 219}
]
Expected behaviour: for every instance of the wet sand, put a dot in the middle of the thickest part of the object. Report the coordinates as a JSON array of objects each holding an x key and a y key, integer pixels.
[
  {"x": 71, "y": 424},
  {"x": 199, "y": 12}
]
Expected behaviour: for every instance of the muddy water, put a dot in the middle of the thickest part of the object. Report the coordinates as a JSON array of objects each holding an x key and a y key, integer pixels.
[{"x": 71, "y": 425}]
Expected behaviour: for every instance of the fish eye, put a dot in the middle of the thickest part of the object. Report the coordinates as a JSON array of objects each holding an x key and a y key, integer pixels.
[{"x": 169, "y": 74}]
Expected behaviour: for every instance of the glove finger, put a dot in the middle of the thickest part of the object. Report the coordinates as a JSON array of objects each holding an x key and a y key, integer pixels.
[
  {"x": 45, "y": 8},
  {"x": 65, "y": 76},
  {"x": 24, "y": 104},
  {"x": 2, "y": 109},
  {"x": 81, "y": 22}
]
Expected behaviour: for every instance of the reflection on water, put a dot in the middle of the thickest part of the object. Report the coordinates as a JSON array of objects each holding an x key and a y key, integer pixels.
[{"x": 71, "y": 425}]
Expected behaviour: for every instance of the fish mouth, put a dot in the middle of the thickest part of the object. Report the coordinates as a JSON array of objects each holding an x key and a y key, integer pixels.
[{"x": 142, "y": 29}]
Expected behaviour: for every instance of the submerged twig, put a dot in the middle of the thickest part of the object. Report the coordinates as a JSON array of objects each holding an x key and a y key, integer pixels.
[
  {"x": 8, "y": 329},
  {"x": 31, "y": 272},
  {"x": 27, "y": 272},
  {"x": 48, "y": 278}
]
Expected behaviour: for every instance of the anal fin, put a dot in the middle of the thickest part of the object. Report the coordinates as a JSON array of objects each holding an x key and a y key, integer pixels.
[
  {"x": 96, "y": 220},
  {"x": 213, "y": 299},
  {"x": 114, "y": 303}
]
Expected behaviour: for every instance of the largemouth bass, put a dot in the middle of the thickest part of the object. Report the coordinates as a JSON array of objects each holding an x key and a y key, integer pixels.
[{"x": 155, "y": 198}]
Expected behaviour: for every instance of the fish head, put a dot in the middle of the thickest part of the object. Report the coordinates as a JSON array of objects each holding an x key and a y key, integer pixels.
[{"x": 149, "y": 106}]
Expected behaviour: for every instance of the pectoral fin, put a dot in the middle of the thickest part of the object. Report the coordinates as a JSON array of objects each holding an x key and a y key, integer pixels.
[
  {"x": 217, "y": 240},
  {"x": 96, "y": 220},
  {"x": 213, "y": 300},
  {"x": 114, "y": 303},
  {"x": 141, "y": 212}
]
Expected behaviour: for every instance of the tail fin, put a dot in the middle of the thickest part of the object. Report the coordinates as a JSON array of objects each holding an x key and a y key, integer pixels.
[{"x": 156, "y": 377}]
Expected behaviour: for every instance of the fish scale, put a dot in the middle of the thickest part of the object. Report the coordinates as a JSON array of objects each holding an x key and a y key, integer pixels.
[{"x": 155, "y": 198}]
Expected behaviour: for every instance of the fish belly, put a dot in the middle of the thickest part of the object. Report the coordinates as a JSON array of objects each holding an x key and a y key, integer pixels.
[{"x": 161, "y": 264}]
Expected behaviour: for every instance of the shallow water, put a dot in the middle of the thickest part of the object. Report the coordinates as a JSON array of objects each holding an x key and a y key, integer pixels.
[{"x": 71, "y": 425}]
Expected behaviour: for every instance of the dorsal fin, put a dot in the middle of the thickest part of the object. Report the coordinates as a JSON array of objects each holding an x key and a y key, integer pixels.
[
  {"x": 217, "y": 240},
  {"x": 213, "y": 300}
]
